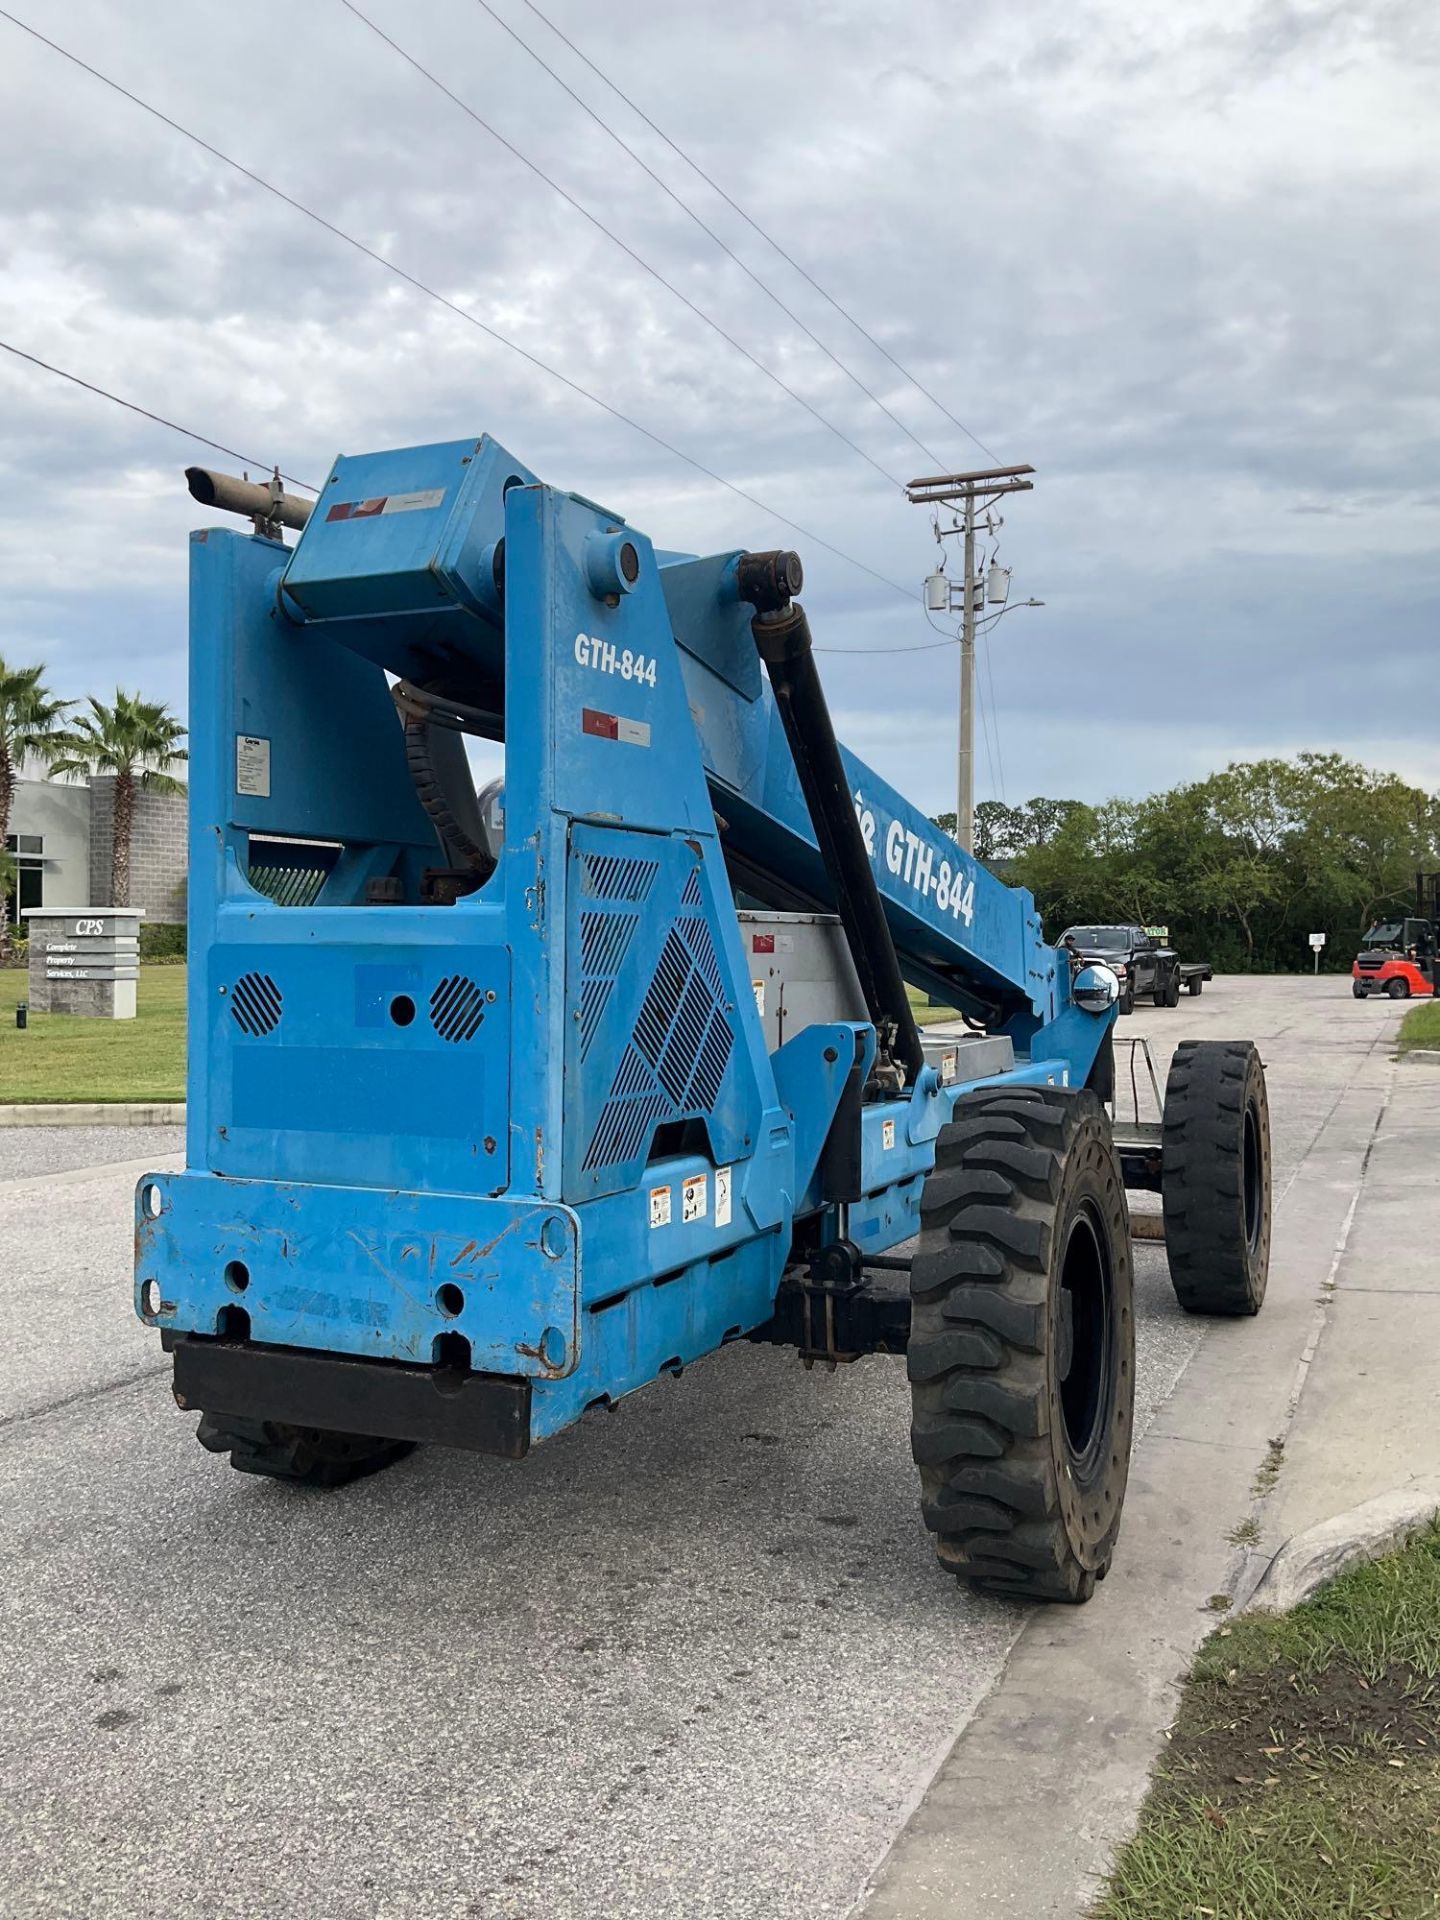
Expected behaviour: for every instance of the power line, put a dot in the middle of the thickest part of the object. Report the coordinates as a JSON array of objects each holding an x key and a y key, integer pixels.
[
  {"x": 452, "y": 306},
  {"x": 624, "y": 246},
  {"x": 993, "y": 707},
  {"x": 754, "y": 224},
  {"x": 691, "y": 214},
  {"x": 924, "y": 646},
  {"x": 188, "y": 432},
  {"x": 984, "y": 637}
]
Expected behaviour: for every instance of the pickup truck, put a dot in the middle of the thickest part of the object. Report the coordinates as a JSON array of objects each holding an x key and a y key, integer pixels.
[{"x": 1143, "y": 961}]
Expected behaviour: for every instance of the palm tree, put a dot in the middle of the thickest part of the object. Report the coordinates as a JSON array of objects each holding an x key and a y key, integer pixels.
[
  {"x": 138, "y": 741},
  {"x": 32, "y": 723}
]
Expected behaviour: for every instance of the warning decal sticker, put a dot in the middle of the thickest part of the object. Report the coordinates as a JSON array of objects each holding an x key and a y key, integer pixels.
[
  {"x": 386, "y": 503},
  {"x": 614, "y": 726},
  {"x": 252, "y": 765},
  {"x": 695, "y": 1197}
]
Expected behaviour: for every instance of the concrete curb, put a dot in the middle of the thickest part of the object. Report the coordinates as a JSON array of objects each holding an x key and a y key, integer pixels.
[
  {"x": 96, "y": 1113},
  {"x": 1310, "y": 1560}
]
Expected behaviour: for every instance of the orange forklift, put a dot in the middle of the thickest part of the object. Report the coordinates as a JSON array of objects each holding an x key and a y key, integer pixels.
[{"x": 1398, "y": 957}]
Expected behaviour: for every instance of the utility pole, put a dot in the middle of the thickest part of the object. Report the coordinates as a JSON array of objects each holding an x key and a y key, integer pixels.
[
  {"x": 963, "y": 492},
  {"x": 965, "y": 758}
]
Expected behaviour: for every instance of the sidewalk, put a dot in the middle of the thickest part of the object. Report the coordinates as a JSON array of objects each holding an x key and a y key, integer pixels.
[
  {"x": 1369, "y": 1414},
  {"x": 1023, "y": 1816}
]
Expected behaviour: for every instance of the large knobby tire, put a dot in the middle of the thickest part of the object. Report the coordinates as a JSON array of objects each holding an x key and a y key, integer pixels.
[
  {"x": 305, "y": 1455},
  {"x": 1022, "y": 1343},
  {"x": 1215, "y": 1176}
]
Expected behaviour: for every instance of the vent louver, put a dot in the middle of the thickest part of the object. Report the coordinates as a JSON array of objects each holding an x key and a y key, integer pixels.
[
  {"x": 605, "y": 876},
  {"x": 256, "y": 1004},
  {"x": 457, "y": 1007}
]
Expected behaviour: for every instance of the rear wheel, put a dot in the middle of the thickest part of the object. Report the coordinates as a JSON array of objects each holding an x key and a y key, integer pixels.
[
  {"x": 1398, "y": 990},
  {"x": 1215, "y": 1176},
  {"x": 1022, "y": 1343},
  {"x": 1195, "y": 985},
  {"x": 306, "y": 1455}
]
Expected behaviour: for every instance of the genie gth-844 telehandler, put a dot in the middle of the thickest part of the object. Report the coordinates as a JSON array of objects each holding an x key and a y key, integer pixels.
[{"x": 502, "y": 1105}]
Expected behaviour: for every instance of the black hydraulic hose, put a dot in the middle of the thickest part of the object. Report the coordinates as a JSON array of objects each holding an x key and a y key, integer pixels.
[{"x": 782, "y": 635}]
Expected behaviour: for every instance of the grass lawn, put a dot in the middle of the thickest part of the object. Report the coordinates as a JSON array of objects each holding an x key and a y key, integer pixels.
[
  {"x": 63, "y": 1057},
  {"x": 925, "y": 1014},
  {"x": 1302, "y": 1779},
  {"x": 1421, "y": 1026}
]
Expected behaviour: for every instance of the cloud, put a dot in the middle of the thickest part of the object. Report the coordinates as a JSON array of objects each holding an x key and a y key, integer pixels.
[{"x": 1181, "y": 260}]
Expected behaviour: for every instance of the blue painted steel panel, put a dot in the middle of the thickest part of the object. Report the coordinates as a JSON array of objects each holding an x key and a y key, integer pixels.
[{"x": 351, "y": 1270}]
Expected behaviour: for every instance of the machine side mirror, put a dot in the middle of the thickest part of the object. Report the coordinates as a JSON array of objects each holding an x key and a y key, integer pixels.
[{"x": 1095, "y": 988}]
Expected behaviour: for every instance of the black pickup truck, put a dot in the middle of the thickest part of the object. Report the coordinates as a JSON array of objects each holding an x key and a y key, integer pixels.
[{"x": 1146, "y": 965}]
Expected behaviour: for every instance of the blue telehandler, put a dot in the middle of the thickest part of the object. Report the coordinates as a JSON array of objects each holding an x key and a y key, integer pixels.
[{"x": 503, "y": 1104}]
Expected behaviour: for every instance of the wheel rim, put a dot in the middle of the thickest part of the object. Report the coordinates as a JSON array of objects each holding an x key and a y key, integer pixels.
[
  {"x": 1253, "y": 1181},
  {"x": 1086, "y": 1379}
]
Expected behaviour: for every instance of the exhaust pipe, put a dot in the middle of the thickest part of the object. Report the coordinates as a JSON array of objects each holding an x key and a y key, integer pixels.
[{"x": 266, "y": 505}]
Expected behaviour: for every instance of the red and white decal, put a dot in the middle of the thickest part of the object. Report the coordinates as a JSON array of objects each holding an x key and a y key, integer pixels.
[
  {"x": 386, "y": 503},
  {"x": 762, "y": 943},
  {"x": 614, "y": 726}
]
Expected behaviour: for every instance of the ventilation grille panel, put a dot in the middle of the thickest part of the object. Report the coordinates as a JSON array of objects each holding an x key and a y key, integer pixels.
[
  {"x": 255, "y": 1004},
  {"x": 605, "y": 938},
  {"x": 675, "y": 1063},
  {"x": 457, "y": 1007},
  {"x": 289, "y": 886},
  {"x": 605, "y": 876}
]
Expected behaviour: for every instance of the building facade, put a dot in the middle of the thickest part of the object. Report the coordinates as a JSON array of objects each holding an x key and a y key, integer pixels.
[{"x": 61, "y": 838}]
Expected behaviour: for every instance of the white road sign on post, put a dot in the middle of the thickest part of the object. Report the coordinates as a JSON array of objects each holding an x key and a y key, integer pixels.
[{"x": 1317, "y": 941}]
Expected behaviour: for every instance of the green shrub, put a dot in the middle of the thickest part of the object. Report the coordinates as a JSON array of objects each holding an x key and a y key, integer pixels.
[{"x": 162, "y": 943}]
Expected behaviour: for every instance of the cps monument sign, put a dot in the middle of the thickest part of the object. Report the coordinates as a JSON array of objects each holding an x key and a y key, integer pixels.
[{"x": 84, "y": 960}]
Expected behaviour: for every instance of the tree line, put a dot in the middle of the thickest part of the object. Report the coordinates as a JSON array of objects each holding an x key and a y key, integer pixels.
[
  {"x": 134, "y": 739},
  {"x": 1242, "y": 867}
]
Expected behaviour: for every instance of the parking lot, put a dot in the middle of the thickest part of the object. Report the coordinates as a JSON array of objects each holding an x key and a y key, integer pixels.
[{"x": 692, "y": 1658}]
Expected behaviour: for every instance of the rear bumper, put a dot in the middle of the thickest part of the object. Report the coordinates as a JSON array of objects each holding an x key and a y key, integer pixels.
[
  {"x": 353, "y": 1270},
  {"x": 436, "y": 1406}
]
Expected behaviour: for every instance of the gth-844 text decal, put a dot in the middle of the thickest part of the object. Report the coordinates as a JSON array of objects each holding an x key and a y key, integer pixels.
[{"x": 912, "y": 859}]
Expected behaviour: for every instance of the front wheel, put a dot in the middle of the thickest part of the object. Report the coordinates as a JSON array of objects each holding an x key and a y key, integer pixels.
[
  {"x": 1398, "y": 990},
  {"x": 1022, "y": 1343},
  {"x": 1215, "y": 1176},
  {"x": 1127, "y": 998},
  {"x": 1357, "y": 990}
]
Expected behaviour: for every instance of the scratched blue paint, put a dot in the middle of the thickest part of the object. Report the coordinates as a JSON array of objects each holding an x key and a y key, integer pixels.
[{"x": 599, "y": 1181}]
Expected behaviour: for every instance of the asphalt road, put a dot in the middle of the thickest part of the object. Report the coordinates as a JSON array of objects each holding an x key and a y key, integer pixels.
[{"x": 691, "y": 1659}]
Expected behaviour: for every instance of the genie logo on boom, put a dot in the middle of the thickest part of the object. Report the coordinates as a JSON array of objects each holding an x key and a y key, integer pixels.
[
  {"x": 913, "y": 860},
  {"x": 603, "y": 656}
]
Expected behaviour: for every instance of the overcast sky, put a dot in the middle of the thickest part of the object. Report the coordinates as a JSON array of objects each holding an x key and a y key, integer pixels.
[{"x": 1184, "y": 259}]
